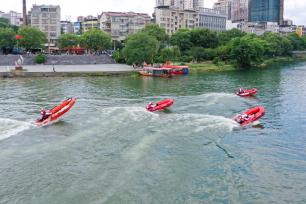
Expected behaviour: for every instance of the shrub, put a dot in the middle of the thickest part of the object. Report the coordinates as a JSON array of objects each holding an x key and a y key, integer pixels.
[{"x": 40, "y": 59}]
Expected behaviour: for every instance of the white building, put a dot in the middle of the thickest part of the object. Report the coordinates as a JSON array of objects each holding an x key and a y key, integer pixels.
[
  {"x": 172, "y": 19},
  {"x": 13, "y": 17},
  {"x": 47, "y": 18},
  {"x": 121, "y": 24}
]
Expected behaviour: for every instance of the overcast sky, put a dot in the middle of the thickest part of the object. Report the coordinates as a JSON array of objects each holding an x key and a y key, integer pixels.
[{"x": 294, "y": 9}]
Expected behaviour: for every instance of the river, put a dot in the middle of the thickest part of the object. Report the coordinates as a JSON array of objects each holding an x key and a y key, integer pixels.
[{"x": 109, "y": 149}]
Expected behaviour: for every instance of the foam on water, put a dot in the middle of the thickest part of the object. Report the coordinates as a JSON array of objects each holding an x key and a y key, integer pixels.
[{"x": 9, "y": 127}]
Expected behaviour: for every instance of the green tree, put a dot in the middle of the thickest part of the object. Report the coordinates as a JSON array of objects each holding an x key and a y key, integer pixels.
[
  {"x": 68, "y": 40},
  {"x": 276, "y": 45},
  {"x": 201, "y": 54},
  {"x": 170, "y": 54},
  {"x": 205, "y": 38},
  {"x": 4, "y": 23},
  {"x": 226, "y": 36},
  {"x": 247, "y": 50},
  {"x": 31, "y": 38},
  {"x": 7, "y": 39},
  {"x": 157, "y": 32},
  {"x": 140, "y": 47},
  {"x": 96, "y": 40},
  {"x": 182, "y": 39},
  {"x": 298, "y": 43}
]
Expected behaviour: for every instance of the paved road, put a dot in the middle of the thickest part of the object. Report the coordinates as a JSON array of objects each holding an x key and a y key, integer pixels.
[{"x": 73, "y": 68}]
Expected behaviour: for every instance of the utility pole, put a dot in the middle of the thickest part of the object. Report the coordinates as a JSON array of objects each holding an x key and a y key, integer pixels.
[{"x": 24, "y": 10}]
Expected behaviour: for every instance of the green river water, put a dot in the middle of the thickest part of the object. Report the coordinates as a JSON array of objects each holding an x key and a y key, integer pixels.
[{"x": 109, "y": 149}]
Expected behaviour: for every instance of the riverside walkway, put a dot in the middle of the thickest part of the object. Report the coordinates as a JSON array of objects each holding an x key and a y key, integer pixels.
[{"x": 66, "y": 70}]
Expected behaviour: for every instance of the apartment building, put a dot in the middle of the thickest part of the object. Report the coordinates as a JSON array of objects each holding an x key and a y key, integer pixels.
[
  {"x": 89, "y": 22},
  {"x": 47, "y": 19},
  {"x": 174, "y": 19},
  {"x": 120, "y": 24},
  {"x": 224, "y": 6}
]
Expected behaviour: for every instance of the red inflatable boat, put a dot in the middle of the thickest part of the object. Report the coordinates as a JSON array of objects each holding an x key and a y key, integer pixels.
[
  {"x": 57, "y": 112},
  {"x": 160, "y": 105},
  {"x": 250, "y": 92},
  {"x": 250, "y": 115}
]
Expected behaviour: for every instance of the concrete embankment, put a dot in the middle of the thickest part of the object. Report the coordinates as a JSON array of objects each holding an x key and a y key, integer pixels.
[
  {"x": 9, "y": 60},
  {"x": 66, "y": 70}
]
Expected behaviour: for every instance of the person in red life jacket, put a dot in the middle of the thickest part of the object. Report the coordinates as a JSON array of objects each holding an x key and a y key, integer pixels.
[
  {"x": 150, "y": 106},
  {"x": 44, "y": 114},
  {"x": 241, "y": 90},
  {"x": 242, "y": 118}
]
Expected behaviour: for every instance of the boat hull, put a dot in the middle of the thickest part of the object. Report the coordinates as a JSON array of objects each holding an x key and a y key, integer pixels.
[
  {"x": 250, "y": 92},
  {"x": 161, "y": 105},
  {"x": 57, "y": 112},
  {"x": 254, "y": 114}
]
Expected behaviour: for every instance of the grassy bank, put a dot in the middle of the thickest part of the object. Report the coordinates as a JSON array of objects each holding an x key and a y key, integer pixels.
[{"x": 208, "y": 66}]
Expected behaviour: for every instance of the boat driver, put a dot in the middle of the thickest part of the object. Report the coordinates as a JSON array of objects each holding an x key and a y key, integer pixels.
[
  {"x": 243, "y": 118},
  {"x": 150, "y": 106},
  {"x": 241, "y": 90},
  {"x": 44, "y": 114}
]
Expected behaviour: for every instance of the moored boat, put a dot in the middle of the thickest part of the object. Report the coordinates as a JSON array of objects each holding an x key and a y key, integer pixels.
[
  {"x": 250, "y": 115},
  {"x": 177, "y": 70},
  {"x": 156, "y": 72}
]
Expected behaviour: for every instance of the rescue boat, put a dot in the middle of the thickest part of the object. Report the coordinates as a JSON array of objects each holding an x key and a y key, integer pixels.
[
  {"x": 57, "y": 112},
  {"x": 250, "y": 116},
  {"x": 161, "y": 105},
  {"x": 250, "y": 92}
]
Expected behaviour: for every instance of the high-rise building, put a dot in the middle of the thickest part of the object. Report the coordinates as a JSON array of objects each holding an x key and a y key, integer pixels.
[
  {"x": 240, "y": 10},
  {"x": 47, "y": 18},
  {"x": 121, "y": 24},
  {"x": 212, "y": 19},
  {"x": 266, "y": 11},
  {"x": 197, "y": 4},
  {"x": 224, "y": 6},
  {"x": 161, "y": 3},
  {"x": 181, "y": 4}
]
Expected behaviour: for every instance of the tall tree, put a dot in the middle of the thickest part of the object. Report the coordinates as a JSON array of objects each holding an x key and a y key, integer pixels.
[
  {"x": 157, "y": 32},
  {"x": 32, "y": 38},
  {"x": 226, "y": 36},
  {"x": 182, "y": 39},
  {"x": 7, "y": 39},
  {"x": 140, "y": 47},
  {"x": 204, "y": 38},
  {"x": 247, "y": 50},
  {"x": 4, "y": 23},
  {"x": 96, "y": 40},
  {"x": 68, "y": 40}
]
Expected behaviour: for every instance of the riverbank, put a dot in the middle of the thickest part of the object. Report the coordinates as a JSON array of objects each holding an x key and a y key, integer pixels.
[
  {"x": 209, "y": 66},
  {"x": 66, "y": 70}
]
